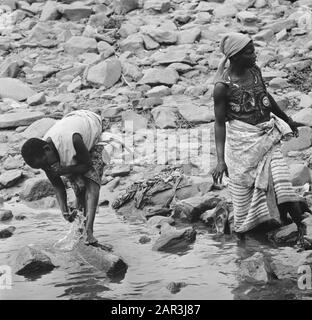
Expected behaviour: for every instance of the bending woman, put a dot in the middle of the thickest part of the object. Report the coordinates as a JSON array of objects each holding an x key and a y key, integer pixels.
[{"x": 259, "y": 176}]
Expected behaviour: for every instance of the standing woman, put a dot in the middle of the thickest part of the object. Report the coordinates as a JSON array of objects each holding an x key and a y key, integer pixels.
[{"x": 255, "y": 126}]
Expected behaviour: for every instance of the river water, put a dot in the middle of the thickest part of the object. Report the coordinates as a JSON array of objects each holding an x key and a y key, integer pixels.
[{"x": 208, "y": 267}]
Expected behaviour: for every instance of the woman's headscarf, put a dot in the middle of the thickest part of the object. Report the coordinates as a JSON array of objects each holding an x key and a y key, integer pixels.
[{"x": 231, "y": 44}]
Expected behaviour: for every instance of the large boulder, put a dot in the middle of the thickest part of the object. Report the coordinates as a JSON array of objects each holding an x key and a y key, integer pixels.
[
  {"x": 157, "y": 76},
  {"x": 39, "y": 128},
  {"x": 172, "y": 239},
  {"x": 17, "y": 119},
  {"x": 77, "y": 45},
  {"x": 31, "y": 261},
  {"x": 125, "y": 6},
  {"x": 36, "y": 188},
  {"x": 105, "y": 73},
  {"x": 15, "y": 89}
]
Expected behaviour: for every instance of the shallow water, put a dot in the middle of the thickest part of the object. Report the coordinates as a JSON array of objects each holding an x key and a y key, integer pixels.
[{"x": 208, "y": 267}]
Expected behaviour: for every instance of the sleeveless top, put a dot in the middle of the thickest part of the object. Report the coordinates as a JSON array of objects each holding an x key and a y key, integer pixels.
[
  {"x": 86, "y": 123},
  {"x": 247, "y": 101}
]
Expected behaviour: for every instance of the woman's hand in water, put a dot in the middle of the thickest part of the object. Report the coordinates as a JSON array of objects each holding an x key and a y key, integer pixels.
[{"x": 218, "y": 172}]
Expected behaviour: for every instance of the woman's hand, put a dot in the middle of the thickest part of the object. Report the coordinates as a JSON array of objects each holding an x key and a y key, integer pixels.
[
  {"x": 57, "y": 169},
  {"x": 218, "y": 172},
  {"x": 294, "y": 126}
]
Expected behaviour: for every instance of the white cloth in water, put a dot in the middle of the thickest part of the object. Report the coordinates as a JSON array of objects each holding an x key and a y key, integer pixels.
[{"x": 85, "y": 122}]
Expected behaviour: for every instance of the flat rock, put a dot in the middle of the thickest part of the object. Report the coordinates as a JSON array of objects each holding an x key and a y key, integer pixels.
[
  {"x": 161, "y": 35},
  {"x": 225, "y": 11},
  {"x": 304, "y": 116},
  {"x": 49, "y": 11},
  {"x": 17, "y": 119},
  {"x": 189, "y": 36},
  {"x": 247, "y": 18},
  {"x": 132, "y": 43},
  {"x": 158, "y": 6},
  {"x": 10, "y": 178},
  {"x": 77, "y": 45},
  {"x": 159, "y": 91},
  {"x": 164, "y": 117},
  {"x": 302, "y": 142},
  {"x": 172, "y": 55},
  {"x": 7, "y": 232},
  {"x": 39, "y": 128},
  {"x": 157, "y": 76},
  {"x": 36, "y": 188},
  {"x": 31, "y": 261},
  {"x": 15, "y": 89},
  {"x": 158, "y": 221},
  {"x": 120, "y": 170},
  {"x": 196, "y": 114},
  {"x": 106, "y": 73},
  {"x": 75, "y": 11},
  {"x": 173, "y": 239},
  {"x": 264, "y": 35},
  {"x": 5, "y": 215}
]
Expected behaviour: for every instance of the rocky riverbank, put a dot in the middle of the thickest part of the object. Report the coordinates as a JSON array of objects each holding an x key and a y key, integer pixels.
[{"x": 151, "y": 62}]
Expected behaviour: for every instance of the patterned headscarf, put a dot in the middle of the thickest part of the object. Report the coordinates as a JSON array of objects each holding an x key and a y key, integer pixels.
[{"x": 231, "y": 44}]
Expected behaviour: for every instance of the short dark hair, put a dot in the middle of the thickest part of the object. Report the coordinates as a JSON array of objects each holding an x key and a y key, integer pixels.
[{"x": 32, "y": 149}]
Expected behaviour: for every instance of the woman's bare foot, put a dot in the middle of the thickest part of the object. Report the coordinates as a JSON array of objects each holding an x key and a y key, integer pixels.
[{"x": 90, "y": 239}]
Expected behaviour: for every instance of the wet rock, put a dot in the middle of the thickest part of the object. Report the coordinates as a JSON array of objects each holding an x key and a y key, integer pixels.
[
  {"x": 36, "y": 188},
  {"x": 285, "y": 235},
  {"x": 15, "y": 89},
  {"x": 102, "y": 259},
  {"x": 196, "y": 114},
  {"x": 75, "y": 11},
  {"x": 5, "y": 215},
  {"x": 190, "y": 209},
  {"x": 105, "y": 73},
  {"x": 158, "y": 6},
  {"x": 16, "y": 119},
  {"x": 157, "y": 211},
  {"x": 19, "y": 217},
  {"x": 125, "y": 6},
  {"x": 302, "y": 142},
  {"x": 175, "y": 287},
  {"x": 172, "y": 239},
  {"x": 10, "y": 178},
  {"x": 77, "y": 45},
  {"x": 31, "y": 261},
  {"x": 299, "y": 174},
  {"x": 36, "y": 99},
  {"x": 157, "y": 76},
  {"x": 161, "y": 35},
  {"x": 255, "y": 269},
  {"x": 189, "y": 36},
  {"x": 304, "y": 116},
  {"x": 158, "y": 221},
  {"x": 7, "y": 232},
  {"x": 49, "y": 11},
  {"x": 120, "y": 171},
  {"x": 39, "y": 128},
  {"x": 164, "y": 117},
  {"x": 145, "y": 239}
]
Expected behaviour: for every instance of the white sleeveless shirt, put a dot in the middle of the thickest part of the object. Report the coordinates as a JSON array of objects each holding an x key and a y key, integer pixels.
[{"x": 85, "y": 122}]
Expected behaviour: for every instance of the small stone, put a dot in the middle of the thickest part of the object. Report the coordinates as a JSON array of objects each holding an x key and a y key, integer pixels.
[
  {"x": 77, "y": 45},
  {"x": 278, "y": 83},
  {"x": 10, "y": 178},
  {"x": 159, "y": 91},
  {"x": 175, "y": 287},
  {"x": 144, "y": 239},
  {"x": 5, "y": 215},
  {"x": 20, "y": 216},
  {"x": 303, "y": 141},
  {"x": 36, "y": 99},
  {"x": 7, "y": 232},
  {"x": 285, "y": 235}
]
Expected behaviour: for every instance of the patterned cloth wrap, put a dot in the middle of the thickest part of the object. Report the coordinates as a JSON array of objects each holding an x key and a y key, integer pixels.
[{"x": 95, "y": 174}]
